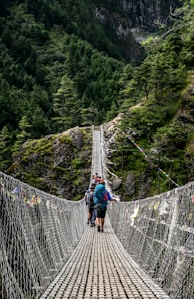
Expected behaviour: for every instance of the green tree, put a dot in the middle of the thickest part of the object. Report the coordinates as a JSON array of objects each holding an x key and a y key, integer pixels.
[
  {"x": 5, "y": 148},
  {"x": 22, "y": 135},
  {"x": 65, "y": 104},
  {"x": 88, "y": 115}
]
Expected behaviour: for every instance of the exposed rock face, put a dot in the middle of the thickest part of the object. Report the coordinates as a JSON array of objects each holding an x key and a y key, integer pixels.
[
  {"x": 116, "y": 183},
  {"x": 136, "y": 187},
  {"x": 148, "y": 14},
  {"x": 58, "y": 164},
  {"x": 121, "y": 26},
  {"x": 77, "y": 138},
  {"x": 130, "y": 184},
  {"x": 133, "y": 16},
  {"x": 144, "y": 185}
]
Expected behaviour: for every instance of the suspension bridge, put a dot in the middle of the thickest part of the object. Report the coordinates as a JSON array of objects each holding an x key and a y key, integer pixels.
[{"x": 48, "y": 251}]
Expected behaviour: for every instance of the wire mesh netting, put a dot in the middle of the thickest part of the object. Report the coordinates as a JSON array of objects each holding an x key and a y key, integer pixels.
[
  {"x": 38, "y": 233},
  {"x": 158, "y": 232}
]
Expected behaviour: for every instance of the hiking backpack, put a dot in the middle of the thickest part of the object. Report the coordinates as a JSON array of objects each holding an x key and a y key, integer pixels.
[
  {"x": 90, "y": 199},
  {"x": 107, "y": 196}
]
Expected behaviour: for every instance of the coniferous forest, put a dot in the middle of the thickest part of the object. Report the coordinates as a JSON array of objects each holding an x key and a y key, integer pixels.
[
  {"x": 51, "y": 50},
  {"x": 61, "y": 68}
]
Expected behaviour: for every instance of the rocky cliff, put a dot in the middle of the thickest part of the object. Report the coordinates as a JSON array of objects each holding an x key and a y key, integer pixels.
[
  {"x": 132, "y": 20},
  {"x": 58, "y": 164},
  {"x": 149, "y": 14}
]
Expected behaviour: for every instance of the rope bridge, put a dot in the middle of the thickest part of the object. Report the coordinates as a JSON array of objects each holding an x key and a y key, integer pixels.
[{"x": 47, "y": 251}]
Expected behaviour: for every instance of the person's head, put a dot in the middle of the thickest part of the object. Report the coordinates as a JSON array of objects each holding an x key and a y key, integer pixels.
[
  {"x": 102, "y": 182},
  {"x": 92, "y": 186}
]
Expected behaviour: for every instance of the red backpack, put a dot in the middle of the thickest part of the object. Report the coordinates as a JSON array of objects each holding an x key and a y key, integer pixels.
[{"x": 107, "y": 196}]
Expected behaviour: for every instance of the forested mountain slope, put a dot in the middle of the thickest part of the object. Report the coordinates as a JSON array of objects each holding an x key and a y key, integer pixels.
[
  {"x": 154, "y": 144},
  {"x": 73, "y": 63}
]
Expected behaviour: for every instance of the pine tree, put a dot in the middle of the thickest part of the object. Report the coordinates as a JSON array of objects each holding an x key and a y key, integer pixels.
[
  {"x": 22, "y": 135},
  {"x": 5, "y": 148},
  {"x": 65, "y": 104}
]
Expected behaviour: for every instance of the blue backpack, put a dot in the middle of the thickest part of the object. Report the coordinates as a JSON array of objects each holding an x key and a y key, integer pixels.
[{"x": 99, "y": 196}]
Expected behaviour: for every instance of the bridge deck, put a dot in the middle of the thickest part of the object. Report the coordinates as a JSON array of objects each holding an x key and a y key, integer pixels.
[{"x": 100, "y": 268}]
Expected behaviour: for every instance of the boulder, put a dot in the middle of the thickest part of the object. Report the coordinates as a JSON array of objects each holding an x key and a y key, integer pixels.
[{"x": 130, "y": 184}]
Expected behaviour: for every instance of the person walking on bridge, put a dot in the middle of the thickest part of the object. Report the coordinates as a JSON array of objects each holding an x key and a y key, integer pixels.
[
  {"x": 101, "y": 203},
  {"x": 89, "y": 199}
]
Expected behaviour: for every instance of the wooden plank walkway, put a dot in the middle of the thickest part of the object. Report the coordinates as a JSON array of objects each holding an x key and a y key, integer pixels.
[{"x": 100, "y": 268}]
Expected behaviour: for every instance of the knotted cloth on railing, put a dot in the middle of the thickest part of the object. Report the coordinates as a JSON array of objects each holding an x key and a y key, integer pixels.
[
  {"x": 158, "y": 232},
  {"x": 38, "y": 233}
]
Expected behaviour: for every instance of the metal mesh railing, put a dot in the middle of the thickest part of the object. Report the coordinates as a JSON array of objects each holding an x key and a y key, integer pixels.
[
  {"x": 38, "y": 233},
  {"x": 158, "y": 232}
]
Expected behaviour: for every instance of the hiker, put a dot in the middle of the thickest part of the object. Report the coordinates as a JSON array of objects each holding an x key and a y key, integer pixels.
[
  {"x": 101, "y": 197},
  {"x": 93, "y": 178},
  {"x": 86, "y": 200},
  {"x": 91, "y": 205},
  {"x": 89, "y": 197},
  {"x": 98, "y": 179}
]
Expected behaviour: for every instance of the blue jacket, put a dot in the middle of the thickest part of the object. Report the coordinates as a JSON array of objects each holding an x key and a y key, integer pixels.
[{"x": 99, "y": 192}]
